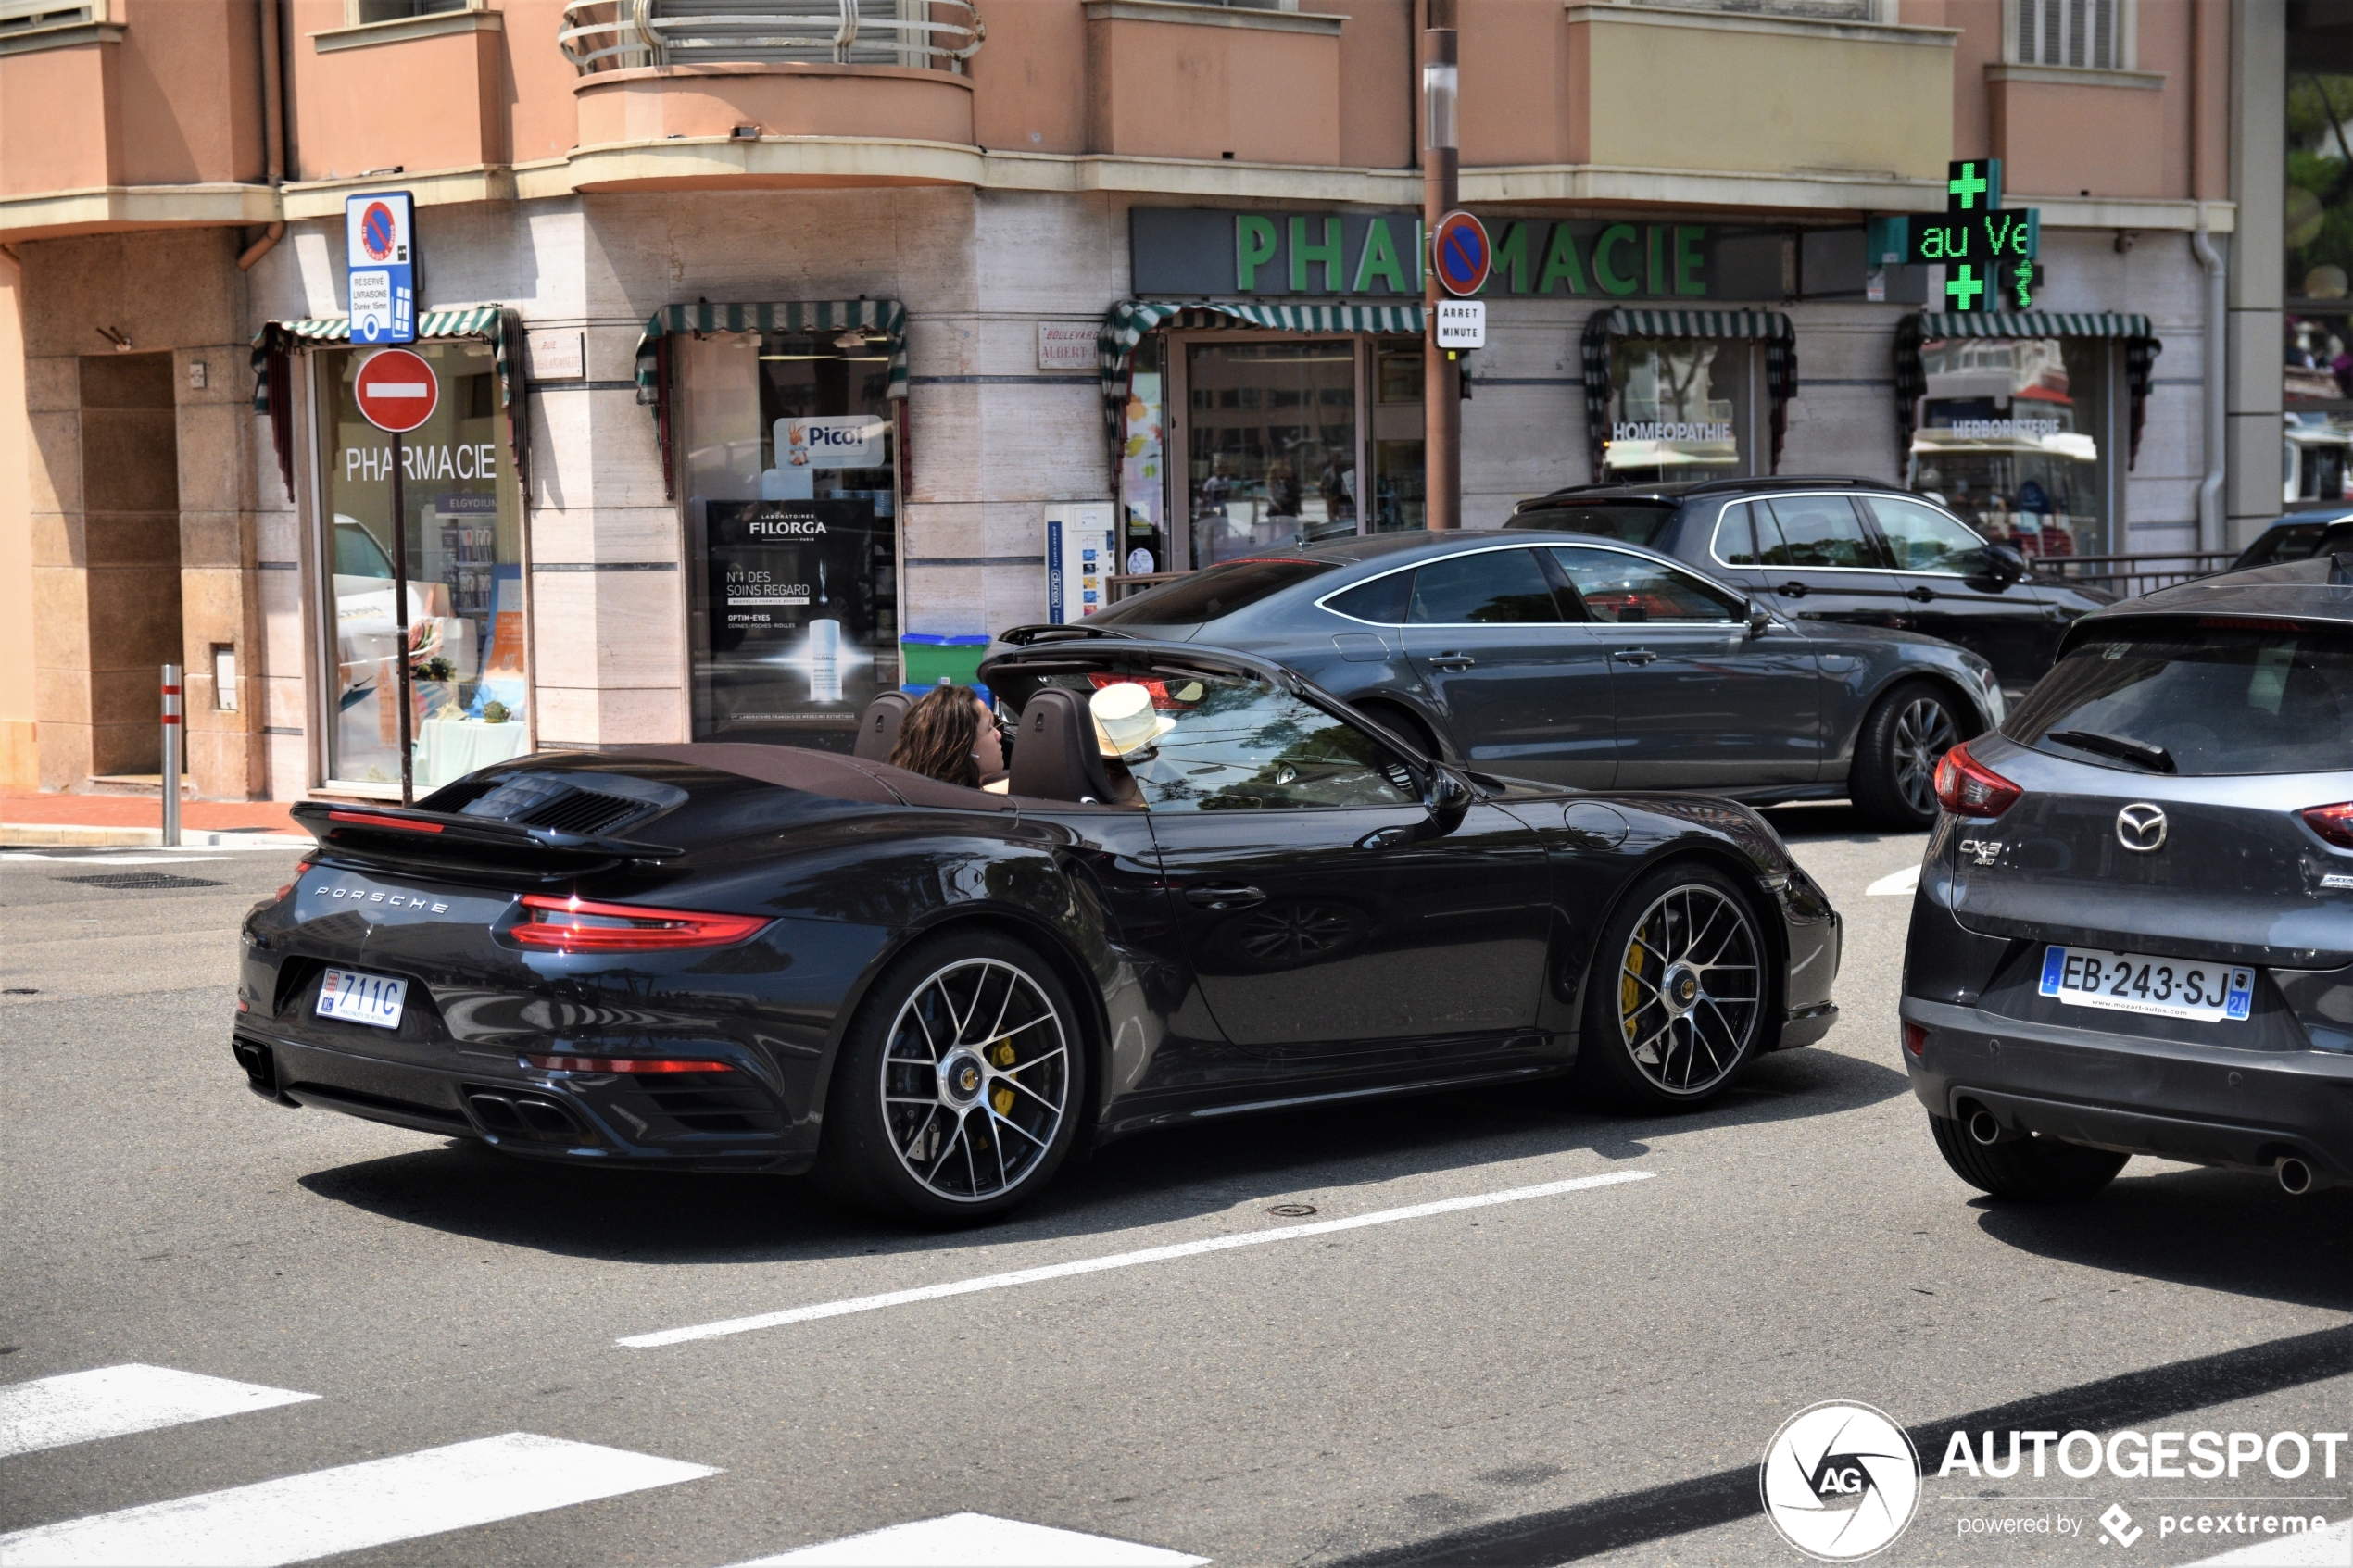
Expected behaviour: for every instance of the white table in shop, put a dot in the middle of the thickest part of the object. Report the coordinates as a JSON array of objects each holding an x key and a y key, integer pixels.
[{"x": 450, "y": 748}]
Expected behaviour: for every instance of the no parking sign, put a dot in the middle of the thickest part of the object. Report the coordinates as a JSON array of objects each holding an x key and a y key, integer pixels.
[{"x": 381, "y": 253}]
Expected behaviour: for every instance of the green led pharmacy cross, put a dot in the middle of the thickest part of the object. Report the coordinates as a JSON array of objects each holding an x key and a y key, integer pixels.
[
  {"x": 1964, "y": 290},
  {"x": 1973, "y": 185}
]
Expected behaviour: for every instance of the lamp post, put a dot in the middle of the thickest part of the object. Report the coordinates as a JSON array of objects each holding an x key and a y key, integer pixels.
[{"x": 1442, "y": 390}]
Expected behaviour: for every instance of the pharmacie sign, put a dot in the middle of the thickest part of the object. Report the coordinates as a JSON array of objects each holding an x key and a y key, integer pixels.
[{"x": 1189, "y": 251}]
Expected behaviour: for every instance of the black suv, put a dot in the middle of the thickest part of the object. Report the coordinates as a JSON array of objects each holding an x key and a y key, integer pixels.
[
  {"x": 1842, "y": 550},
  {"x": 2134, "y": 932}
]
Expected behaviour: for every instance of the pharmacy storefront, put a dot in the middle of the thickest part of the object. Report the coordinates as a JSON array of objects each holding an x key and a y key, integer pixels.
[
  {"x": 1265, "y": 385},
  {"x": 2025, "y": 423},
  {"x": 468, "y": 642}
]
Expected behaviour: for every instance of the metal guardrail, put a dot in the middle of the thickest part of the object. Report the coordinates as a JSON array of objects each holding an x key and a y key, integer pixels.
[
  {"x": 601, "y": 35},
  {"x": 2130, "y": 576}
]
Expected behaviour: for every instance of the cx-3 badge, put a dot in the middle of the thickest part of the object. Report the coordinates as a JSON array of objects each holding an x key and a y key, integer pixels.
[{"x": 2140, "y": 827}]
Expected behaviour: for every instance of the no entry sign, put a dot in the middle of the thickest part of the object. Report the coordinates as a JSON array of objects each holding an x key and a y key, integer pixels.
[
  {"x": 396, "y": 390},
  {"x": 1459, "y": 254}
]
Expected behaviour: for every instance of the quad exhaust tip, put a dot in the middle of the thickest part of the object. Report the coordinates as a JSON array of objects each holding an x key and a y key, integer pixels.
[{"x": 2295, "y": 1177}]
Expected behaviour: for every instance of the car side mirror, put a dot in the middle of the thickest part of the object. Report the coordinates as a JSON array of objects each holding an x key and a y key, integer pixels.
[
  {"x": 2005, "y": 563},
  {"x": 1448, "y": 801},
  {"x": 1760, "y": 620}
]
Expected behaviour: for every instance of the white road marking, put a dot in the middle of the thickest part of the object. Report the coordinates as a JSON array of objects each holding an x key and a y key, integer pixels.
[
  {"x": 1121, "y": 1261},
  {"x": 1906, "y": 881},
  {"x": 2331, "y": 1547},
  {"x": 976, "y": 1541},
  {"x": 351, "y": 1507},
  {"x": 81, "y": 1406}
]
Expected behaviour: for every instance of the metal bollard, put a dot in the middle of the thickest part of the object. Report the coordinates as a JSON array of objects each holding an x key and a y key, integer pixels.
[{"x": 171, "y": 728}]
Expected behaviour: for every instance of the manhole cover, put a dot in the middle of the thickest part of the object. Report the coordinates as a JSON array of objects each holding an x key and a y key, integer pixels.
[
  {"x": 1291, "y": 1211},
  {"x": 140, "y": 882}
]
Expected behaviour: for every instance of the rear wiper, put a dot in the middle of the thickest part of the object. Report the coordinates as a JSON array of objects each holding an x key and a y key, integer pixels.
[{"x": 2156, "y": 759}]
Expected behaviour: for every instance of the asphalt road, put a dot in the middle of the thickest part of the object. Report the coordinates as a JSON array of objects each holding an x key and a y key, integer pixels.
[{"x": 1588, "y": 1373}]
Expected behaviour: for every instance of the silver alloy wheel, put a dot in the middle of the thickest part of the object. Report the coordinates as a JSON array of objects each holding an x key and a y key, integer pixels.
[
  {"x": 975, "y": 1080},
  {"x": 1689, "y": 989},
  {"x": 1924, "y": 732}
]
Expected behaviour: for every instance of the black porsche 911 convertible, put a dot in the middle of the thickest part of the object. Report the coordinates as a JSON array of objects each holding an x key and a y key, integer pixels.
[{"x": 753, "y": 958}]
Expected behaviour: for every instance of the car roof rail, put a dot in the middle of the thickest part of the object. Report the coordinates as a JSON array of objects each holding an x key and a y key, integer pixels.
[{"x": 1717, "y": 486}]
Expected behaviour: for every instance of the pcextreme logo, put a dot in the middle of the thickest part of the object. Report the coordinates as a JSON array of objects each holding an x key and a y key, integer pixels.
[{"x": 1840, "y": 1481}]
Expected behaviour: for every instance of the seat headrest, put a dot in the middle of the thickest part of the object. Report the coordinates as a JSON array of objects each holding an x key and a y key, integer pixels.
[
  {"x": 878, "y": 727},
  {"x": 1056, "y": 756}
]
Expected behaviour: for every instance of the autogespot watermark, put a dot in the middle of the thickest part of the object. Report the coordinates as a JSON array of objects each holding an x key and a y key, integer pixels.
[{"x": 1841, "y": 1480}]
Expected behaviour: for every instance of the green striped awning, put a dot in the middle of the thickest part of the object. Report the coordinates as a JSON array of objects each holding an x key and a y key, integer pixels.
[
  {"x": 1699, "y": 323},
  {"x": 272, "y": 392},
  {"x": 1126, "y": 322},
  {"x": 884, "y": 316},
  {"x": 2031, "y": 323}
]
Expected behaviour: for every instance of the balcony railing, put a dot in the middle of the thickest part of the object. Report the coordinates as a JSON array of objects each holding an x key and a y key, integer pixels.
[{"x": 601, "y": 35}]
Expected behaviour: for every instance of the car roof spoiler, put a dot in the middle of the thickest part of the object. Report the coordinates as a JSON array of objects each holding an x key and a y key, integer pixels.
[
  {"x": 1057, "y": 632},
  {"x": 403, "y": 833}
]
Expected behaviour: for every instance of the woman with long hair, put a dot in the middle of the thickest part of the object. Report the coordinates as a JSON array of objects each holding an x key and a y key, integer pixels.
[{"x": 951, "y": 736}]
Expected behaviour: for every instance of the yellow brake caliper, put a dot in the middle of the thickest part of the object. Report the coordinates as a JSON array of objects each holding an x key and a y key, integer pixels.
[
  {"x": 1629, "y": 990},
  {"x": 1001, "y": 1053}
]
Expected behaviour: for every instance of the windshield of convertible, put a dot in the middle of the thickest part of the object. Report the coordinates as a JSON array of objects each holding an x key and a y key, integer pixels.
[
  {"x": 2218, "y": 696},
  {"x": 1212, "y": 591},
  {"x": 1213, "y": 742}
]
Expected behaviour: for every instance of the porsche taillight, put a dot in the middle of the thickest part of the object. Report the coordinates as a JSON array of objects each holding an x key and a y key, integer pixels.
[
  {"x": 2333, "y": 823},
  {"x": 1968, "y": 788},
  {"x": 575, "y": 925}
]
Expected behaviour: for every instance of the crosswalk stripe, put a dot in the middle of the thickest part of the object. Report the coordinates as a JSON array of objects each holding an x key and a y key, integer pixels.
[
  {"x": 352, "y": 1507},
  {"x": 976, "y": 1541},
  {"x": 81, "y": 1406}
]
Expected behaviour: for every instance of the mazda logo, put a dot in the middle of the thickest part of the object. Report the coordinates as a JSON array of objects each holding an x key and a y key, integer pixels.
[{"x": 2140, "y": 827}]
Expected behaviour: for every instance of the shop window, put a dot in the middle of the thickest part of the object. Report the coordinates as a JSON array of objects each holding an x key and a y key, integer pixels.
[
  {"x": 1398, "y": 429},
  {"x": 2317, "y": 377},
  {"x": 790, "y": 460},
  {"x": 1143, "y": 468},
  {"x": 2014, "y": 436},
  {"x": 1278, "y": 473},
  {"x": 464, "y": 536},
  {"x": 1680, "y": 408}
]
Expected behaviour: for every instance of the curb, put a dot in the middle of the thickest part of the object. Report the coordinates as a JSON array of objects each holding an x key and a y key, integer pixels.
[{"x": 86, "y": 836}]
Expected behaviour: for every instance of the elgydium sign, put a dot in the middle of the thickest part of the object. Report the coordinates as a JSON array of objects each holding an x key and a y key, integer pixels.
[{"x": 1193, "y": 251}]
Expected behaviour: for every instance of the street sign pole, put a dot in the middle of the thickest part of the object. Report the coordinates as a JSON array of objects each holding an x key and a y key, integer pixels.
[
  {"x": 400, "y": 625},
  {"x": 1441, "y": 163}
]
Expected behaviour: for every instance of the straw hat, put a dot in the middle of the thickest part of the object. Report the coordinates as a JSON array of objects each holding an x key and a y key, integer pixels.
[{"x": 1125, "y": 723}]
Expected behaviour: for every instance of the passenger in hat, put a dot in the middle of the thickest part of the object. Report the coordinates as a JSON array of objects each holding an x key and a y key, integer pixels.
[
  {"x": 951, "y": 736},
  {"x": 1125, "y": 730}
]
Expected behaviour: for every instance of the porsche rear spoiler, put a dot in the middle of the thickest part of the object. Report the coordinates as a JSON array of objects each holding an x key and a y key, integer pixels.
[
  {"x": 1053, "y": 632},
  {"x": 406, "y": 835}
]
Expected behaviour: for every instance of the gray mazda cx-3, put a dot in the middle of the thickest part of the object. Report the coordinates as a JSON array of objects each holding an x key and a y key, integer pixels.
[{"x": 2134, "y": 932}]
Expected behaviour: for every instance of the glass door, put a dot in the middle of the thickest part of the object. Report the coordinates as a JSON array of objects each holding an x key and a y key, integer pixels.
[{"x": 1397, "y": 437}]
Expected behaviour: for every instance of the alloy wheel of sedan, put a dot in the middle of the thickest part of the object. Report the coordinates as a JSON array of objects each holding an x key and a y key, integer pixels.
[
  {"x": 1689, "y": 989},
  {"x": 975, "y": 1080},
  {"x": 1924, "y": 732}
]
